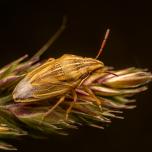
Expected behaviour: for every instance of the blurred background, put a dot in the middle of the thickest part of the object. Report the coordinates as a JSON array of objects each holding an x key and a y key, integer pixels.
[{"x": 26, "y": 25}]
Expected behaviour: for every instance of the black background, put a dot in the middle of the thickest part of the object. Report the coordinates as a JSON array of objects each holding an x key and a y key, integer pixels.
[{"x": 26, "y": 25}]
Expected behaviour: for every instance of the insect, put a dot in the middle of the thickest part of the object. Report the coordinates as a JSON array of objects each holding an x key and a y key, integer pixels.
[{"x": 57, "y": 78}]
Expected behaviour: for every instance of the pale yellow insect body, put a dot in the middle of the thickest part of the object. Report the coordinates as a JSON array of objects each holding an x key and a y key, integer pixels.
[{"x": 56, "y": 77}]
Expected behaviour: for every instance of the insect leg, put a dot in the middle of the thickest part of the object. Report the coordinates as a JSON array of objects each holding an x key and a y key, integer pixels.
[
  {"x": 52, "y": 108},
  {"x": 89, "y": 91},
  {"x": 71, "y": 104}
]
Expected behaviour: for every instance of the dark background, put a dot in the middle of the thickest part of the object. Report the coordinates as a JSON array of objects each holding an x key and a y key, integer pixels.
[{"x": 26, "y": 25}]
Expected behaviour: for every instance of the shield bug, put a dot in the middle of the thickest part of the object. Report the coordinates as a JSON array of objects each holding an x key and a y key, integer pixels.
[{"x": 57, "y": 78}]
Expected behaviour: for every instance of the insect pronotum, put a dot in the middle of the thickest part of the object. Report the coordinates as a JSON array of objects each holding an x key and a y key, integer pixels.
[{"x": 58, "y": 77}]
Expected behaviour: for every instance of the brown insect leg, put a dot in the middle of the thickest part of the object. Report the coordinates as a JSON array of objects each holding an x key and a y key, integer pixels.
[
  {"x": 71, "y": 104},
  {"x": 52, "y": 108},
  {"x": 89, "y": 91}
]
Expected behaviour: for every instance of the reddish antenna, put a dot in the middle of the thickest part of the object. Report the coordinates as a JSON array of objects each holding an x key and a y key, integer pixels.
[{"x": 103, "y": 43}]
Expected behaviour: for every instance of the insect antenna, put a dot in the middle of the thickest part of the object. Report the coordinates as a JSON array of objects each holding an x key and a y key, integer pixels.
[
  {"x": 103, "y": 43},
  {"x": 102, "y": 47}
]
